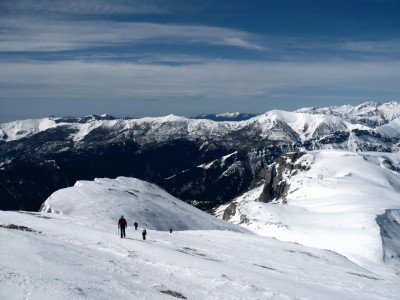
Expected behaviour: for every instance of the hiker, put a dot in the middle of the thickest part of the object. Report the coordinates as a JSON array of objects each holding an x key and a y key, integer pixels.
[
  {"x": 136, "y": 225},
  {"x": 122, "y": 224},
  {"x": 144, "y": 233},
  {"x": 170, "y": 230}
]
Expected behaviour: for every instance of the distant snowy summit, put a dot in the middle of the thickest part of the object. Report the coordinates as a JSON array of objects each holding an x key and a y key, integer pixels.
[
  {"x": 372, "y": 114},
  {"x": 86, "y": 119}
]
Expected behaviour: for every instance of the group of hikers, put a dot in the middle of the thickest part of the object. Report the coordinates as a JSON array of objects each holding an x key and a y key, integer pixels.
[{"x": 122, "y": 224}]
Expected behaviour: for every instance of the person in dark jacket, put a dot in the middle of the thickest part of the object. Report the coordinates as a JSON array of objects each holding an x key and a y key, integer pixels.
[
  {"x": 122, "y": 224},
  {"x": 144, "y": 233},
  {"x": 170, "y": 230},
  {"x": 136, "y": 225}
]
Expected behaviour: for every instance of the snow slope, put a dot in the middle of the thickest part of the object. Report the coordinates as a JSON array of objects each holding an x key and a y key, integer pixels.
[
  {"x": 20, "y": 129},
  {"x": 66, "y": 258},
  {"x": 104, "y": 200},
  {"x": 392, "y": 129},
  {"x": 334, "y": 205},
  {"x": 303, "y": 124}
]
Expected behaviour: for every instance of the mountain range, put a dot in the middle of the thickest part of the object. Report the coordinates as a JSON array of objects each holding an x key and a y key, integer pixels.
[
  {"x": 204, "y": 162},
  {"x": 305, "y": 206}
]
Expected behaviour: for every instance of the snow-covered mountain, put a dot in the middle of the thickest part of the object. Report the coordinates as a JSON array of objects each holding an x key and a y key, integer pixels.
[
  {"x": 371, "y": 114},
  {"x": 391, "y": 129},
  {"x": 337, "y": 200},
  {"x": 301, "y": 125},
  {"x": 170, "y": 151},
  {"x": 75, "y": 252},
  {"x": 103, "y": 200}
]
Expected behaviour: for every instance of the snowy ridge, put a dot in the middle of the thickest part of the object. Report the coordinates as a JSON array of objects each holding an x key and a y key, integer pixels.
[
  {"x": 370, "y": 113},
  {"x": 333, "y": 205},
  {"x": 21, "y": 129},
  {"x": 303, "y": 124},
  {"x": 228, "y": 115},
  {"x": 105, "y": 200},
  {"x": 166, "y": 128}
]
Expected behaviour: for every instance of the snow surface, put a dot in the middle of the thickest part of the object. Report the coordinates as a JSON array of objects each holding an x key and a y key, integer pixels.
[
  {"x": 333, "y": 205},
  {"x": 66, "y": 258}
]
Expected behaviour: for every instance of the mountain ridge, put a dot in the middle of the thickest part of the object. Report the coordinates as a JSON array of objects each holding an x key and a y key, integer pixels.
[
  {"x": 168, "y": 150},
  {"x": 99, "y": 200}
]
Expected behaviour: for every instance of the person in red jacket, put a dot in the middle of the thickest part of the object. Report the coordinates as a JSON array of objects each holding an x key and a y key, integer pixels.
[{"x": 122, "y": 225}]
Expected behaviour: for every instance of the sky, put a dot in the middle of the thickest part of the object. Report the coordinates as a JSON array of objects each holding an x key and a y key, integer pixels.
[{"x": 188, "y": 57}]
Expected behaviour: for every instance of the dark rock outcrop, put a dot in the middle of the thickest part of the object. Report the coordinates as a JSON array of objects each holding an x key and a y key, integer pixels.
[
  {"x": 389, "y": 224},
  {"x": 276, "y": 174}
]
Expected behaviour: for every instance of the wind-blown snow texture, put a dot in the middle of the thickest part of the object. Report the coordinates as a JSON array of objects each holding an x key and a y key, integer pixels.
[{"x": 334, "y": 205}]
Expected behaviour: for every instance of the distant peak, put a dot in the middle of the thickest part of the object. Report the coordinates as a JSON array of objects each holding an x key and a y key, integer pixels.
[
  {"x": 172, "y": 117},
  {"x": 368, "y": 104},
  {"x": 228, "y": 115}
]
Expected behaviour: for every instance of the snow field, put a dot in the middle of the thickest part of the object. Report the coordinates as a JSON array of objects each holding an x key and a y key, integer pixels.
[{"x": 71, "y": 260}]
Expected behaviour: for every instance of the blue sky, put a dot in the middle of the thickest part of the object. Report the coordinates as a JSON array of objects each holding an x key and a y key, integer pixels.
[{"x": 188, "y": 57}]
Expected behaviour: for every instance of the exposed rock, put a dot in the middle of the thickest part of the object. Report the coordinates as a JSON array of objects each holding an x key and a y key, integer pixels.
[
  {"x": 17, "y": 227},
  {"x": 229, "y": 211},
  {"x": 275, "y": 186},
  {"x": 173, "y": 294},
  {"x": 389, "y": 224}
]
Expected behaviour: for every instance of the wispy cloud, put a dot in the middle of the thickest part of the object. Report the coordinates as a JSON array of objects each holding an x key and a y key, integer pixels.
[
  {"x": 84, "y": 7},
  {"x": 241, "y": 43},
  {"x": 33, "y": 34},
  {"x": 382, "y": 46}
]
